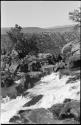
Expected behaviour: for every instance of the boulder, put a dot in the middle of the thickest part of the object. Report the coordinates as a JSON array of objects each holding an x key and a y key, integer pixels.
[
  {"x": 13, "y": 67},
  {"x": 70, "y": 109},
  {"x": 27, "y": 80},
  {"x": 60, "y": 65},
  {"x": 32, "y": 79},
  {"x": 47, "y": 69},
  {"x": 72, "y": 50},
  {"x": 33, "y": 101},
  {"x": 10, "y": 92},
  {"x": 36, "y": 116},
  {"x": 56, "y": 109},
  {"x": 74, "y": 62}
]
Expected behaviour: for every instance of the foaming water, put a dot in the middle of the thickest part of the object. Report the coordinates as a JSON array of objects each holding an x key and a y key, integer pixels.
[{"x": 53, "y": 89}]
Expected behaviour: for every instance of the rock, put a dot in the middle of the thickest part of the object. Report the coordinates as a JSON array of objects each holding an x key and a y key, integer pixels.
[
  {"x": 59, "y": 66},
  {"x": 27, "y": 80},
  {"x": 35, "y": 74},
  {"x": 70, "y": 110},
  {"x": 67, "y": 100},
  {"x": 34, "y": 66},
  {"x": 74, "y": 62},
  {"x": 53, "y": 115},
  {"x": 70, "y": 121},
  {"x": 10, "y": 91},
  {"x": 39, "y": 116},
  {"x": 15, "y": 119},
  {"x": 73, "y": 51},
  {"x": 73, "y": 79},
  {"x": 13, "y": 67},
  {"x": 32, "y": 79},
  {"x": 44, "y": 55},
  {"x": 47, "y": 69},
  {"x": 56, "y": 109},
  {"x": 33, "y": 101},
  {"x": 24, "y": 68}
]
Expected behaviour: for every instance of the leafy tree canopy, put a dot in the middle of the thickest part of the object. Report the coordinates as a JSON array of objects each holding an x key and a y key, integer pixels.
[
  {"x": 23, "y": 45},
  {"x": 76, "y": 16}
]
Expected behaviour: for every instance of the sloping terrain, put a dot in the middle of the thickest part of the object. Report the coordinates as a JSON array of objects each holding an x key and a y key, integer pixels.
[
  {"x": 37, "y": 104},
  {"x": 38, "y": 29},
  {"x": 54, "y": 98}
]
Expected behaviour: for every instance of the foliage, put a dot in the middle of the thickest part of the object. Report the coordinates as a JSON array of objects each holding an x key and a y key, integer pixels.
[
  {"x": 76, "y": 15},
  {"x": 29, "y": 45},
  {"x": 6, "y": 79},
  {"x": 23, "y": 45},
  {"x": 45, "y": 42},
  {"x": 49, "y": 43},
  {"x": 15, "y": 33},
  {"x": 73, "y": 36}
]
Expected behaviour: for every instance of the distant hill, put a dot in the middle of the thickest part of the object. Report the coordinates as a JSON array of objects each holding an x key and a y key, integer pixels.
[
  {"x": 38, "y": 29},
  {"x": 50, "y": 41}
]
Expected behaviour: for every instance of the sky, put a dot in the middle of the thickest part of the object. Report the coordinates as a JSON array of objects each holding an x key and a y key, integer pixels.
[{"x": 37, "y": 13}]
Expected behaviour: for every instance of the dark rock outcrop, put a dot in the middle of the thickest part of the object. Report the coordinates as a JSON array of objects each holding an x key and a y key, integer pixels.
[
  {"x": 69, "y": 110},
  {"x": 33, "y": 101},
  {"x": 36, "y": 116},
  {"x": 40, "y": 116}
]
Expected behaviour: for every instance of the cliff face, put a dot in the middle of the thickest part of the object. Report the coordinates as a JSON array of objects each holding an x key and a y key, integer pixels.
[{"x": 72, "y": 52}]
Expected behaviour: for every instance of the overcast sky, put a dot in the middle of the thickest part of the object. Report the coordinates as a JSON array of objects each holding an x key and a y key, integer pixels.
[{"x": 37, "y": 13}]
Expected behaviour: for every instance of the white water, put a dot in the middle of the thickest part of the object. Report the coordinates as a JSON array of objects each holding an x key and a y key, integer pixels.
[{"x": 53, "y": 89}]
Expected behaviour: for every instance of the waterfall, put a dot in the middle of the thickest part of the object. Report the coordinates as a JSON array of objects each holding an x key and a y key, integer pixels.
[{"x": 53, "y": 91}]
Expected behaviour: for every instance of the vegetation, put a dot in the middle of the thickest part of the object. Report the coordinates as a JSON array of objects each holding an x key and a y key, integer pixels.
[
  {"x": 76, "y": 15},
  {"x": 74, "y": 36},
  {"x": 19, "y": 49}
]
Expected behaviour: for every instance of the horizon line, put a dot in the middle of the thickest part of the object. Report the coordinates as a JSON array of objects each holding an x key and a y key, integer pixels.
[{"x": 57, "y": 26}]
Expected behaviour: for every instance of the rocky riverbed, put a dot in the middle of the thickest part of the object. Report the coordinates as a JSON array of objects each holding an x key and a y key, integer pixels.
[{"x": 51, "y": 101}]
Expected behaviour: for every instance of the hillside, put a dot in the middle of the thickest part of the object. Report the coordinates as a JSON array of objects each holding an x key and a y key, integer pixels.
[
  {"x": 32, "y": 88},
  {"x": 48, "y": 40},
  {"x": 38, "y": 29}
]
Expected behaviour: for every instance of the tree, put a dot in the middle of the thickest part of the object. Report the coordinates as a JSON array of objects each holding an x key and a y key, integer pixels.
[
  {"x": 33, "y": 44},
  {"x": 23, "y": 45},
  {"x": 15, "y": 33},
  {"x": 76, "y": 16}
]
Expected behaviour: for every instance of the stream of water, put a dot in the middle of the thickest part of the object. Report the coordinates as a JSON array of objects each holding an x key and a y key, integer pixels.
[{"x": 53, "y": 89}]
